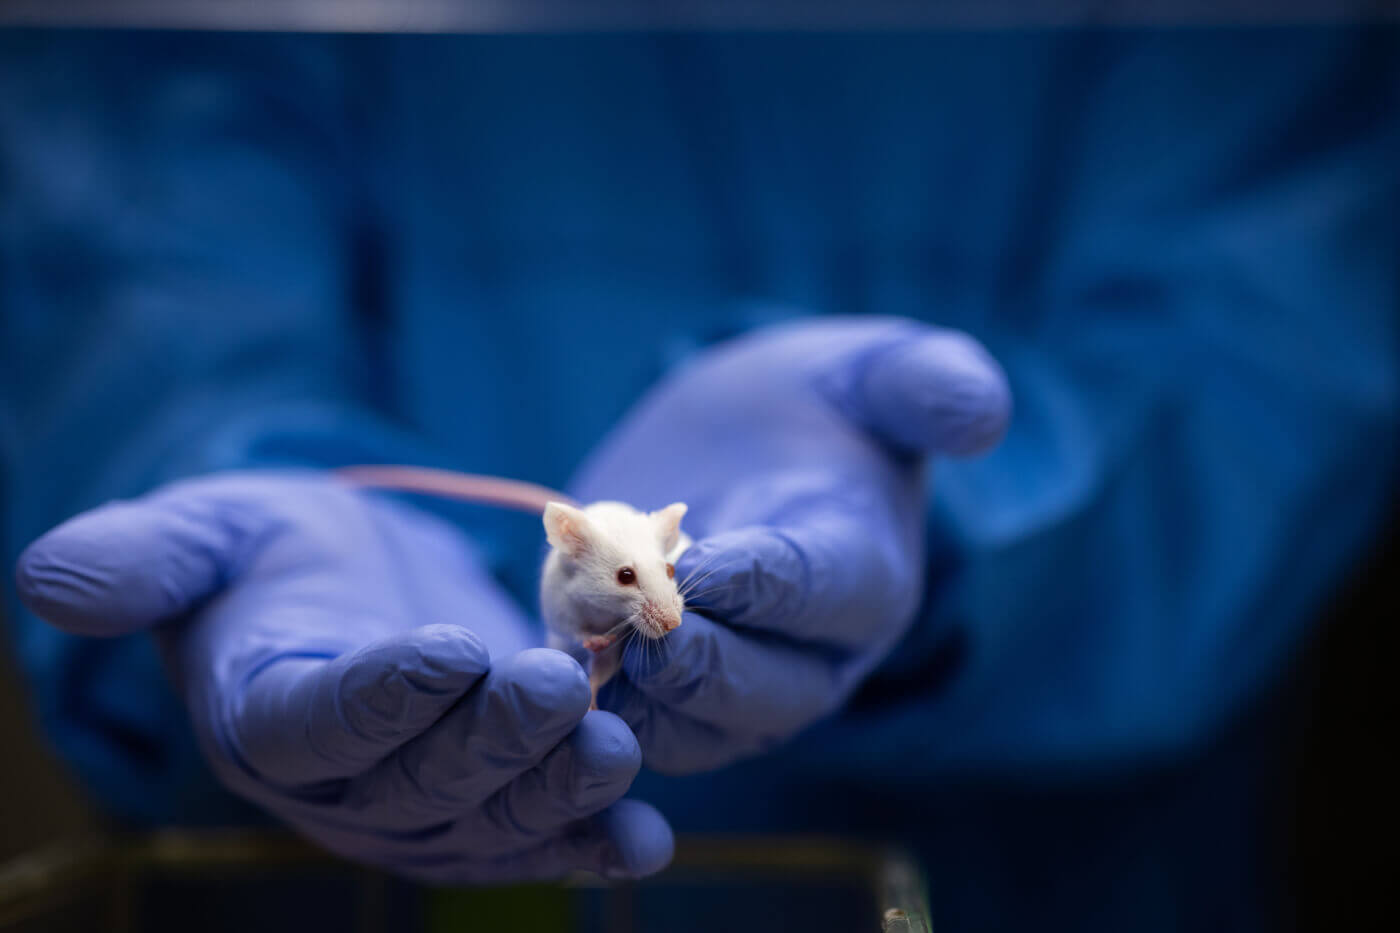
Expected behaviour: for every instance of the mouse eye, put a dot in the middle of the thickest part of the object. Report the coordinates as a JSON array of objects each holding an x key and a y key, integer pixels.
[
  {"x": 671, "y": 571},
  {"x": 627, "y": 576}
]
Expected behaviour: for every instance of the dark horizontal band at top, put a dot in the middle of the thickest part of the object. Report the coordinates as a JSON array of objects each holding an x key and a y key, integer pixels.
[{"x": 525, "y": 16}]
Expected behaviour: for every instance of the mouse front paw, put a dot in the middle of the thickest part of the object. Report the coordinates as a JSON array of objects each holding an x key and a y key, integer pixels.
[{"x": 596, "y": 643}]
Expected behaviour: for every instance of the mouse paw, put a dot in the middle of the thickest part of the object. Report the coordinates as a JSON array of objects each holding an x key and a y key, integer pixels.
[{"x": 596, "y": 643}]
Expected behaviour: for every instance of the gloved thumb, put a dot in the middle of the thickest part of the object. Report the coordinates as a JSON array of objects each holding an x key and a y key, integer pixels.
[
  {"x": 128, "y": 566},
  {"x": 923, "y": 391}
]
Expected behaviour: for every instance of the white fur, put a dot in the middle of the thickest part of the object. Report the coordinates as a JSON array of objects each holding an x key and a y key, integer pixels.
[{"x": 580, "y": 595}]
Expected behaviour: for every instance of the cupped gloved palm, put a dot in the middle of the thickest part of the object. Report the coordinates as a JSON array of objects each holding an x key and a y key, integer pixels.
[
  {"x": 350, "y": 667},
  {"x": 800, "y": 451}
]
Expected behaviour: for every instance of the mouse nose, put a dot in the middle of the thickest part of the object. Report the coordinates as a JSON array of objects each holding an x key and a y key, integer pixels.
[{"x": 663, "y": 618}]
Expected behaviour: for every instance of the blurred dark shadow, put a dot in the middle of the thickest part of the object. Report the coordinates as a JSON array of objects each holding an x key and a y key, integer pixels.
[
  {"x": 1343, "y": 787},
  {"x": 39, "y": 800}
]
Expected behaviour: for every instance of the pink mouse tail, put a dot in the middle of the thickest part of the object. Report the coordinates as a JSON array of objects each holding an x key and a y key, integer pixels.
[{"x": 467, "y": 487}]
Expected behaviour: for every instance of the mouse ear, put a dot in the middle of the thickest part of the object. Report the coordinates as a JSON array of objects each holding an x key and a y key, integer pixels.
[
  {"x": 667, "y": 523},
  {"x": 567, "y": 528}
]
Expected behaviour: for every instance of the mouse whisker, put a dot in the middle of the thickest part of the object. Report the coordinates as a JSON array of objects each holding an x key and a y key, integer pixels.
[
  {"x": 705, "y": 564},
  {"x": 624, "y": 625},
  {"x": 708, "y": 561},
  {"x": 711, "y": 590},
  {"x": 643, "y": 649},
  {"x": 692, "y": 580},
  {"x": 696, "y": 587},
  {"x": 656, "y": 654}
]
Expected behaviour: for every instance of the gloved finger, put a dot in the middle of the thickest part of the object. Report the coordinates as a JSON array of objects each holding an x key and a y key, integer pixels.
[
  {"x": 128, "y": 565},
  {"x": 921, "y": 390},
  {"x": 506, "y": 725},
  {"x": 628, "y": 840},
  {"x": 586, "y": 773},
  {"x": 301, "y": 720},
  {"x": 746, "y": 683},
  {"x": 827, "y": 578},
  {"x": 591, "y": 769}
]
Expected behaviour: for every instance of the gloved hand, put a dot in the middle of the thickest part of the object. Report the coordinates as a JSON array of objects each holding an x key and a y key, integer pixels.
[
  {"x": 350, "y": 667},
  {"x": 800, "y": 451}
]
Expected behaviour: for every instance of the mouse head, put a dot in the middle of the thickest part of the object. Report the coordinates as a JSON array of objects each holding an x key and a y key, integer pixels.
[{"x": 616, "y": 560}]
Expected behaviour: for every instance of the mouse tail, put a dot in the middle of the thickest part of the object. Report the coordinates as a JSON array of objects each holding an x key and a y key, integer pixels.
[{"x": 447, "y": 484}]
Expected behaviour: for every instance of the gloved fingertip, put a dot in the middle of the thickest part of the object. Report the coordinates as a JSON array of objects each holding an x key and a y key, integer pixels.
[
  {"x": 67, "y": 589},
  {"x": 606, "y": 758},
  {"x": 545, "y": 686},
  {"x": 42, "y": 590},
  {"x": 438, "y": 658},
  {"x": 756, "y": 571},
  {"x": 303, "y": 719},
  {"x": 126, "y": 566},
  {"x": 410, "y": 678},
  {"x": 938, "y": 392},
  {"x": 640, "y": 841}
]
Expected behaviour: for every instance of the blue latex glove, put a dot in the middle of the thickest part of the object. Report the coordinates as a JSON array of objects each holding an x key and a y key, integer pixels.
[
  {"x": 350, "y": 667},
  {"x": 800, "y": 451}
]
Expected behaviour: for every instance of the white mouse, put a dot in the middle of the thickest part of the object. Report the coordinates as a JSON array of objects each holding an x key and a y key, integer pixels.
[{"x": 610, "y": 569}]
